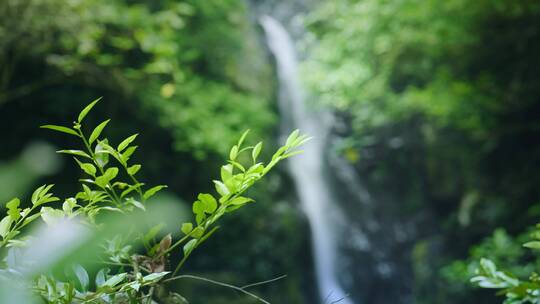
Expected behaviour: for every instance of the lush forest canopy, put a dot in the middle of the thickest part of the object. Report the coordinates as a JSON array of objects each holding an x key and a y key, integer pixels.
[
  {"x": 444, "y": 95},
  {"x": 435, "y": 102}
]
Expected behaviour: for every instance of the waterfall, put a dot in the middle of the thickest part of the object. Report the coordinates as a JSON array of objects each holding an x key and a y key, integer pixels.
[{"x": 307, "y": 169}]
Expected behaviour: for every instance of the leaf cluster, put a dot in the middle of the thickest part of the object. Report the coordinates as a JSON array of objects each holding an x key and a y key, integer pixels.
[{"x": 110, "y": 185}]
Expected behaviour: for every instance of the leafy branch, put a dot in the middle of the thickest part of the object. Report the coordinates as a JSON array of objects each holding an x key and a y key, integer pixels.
[{"x": 115, "y": 188}]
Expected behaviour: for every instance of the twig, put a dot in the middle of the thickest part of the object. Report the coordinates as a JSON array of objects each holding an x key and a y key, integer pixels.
[
  {"x": 240, "y": 289},
  {"x": 264, "y": 282}
]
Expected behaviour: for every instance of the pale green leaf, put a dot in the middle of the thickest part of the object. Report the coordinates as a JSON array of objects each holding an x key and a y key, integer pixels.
[
  {"x": 150, "y": 192},
  {"x": 532, "y": 245},
  {"x": 87, "y": 109},
  {"x": 82, "y": 276},
  {"x": 133, "y": 169},
  {"x": 234, "y": 153},
  {"x": 198, "y": 207},
  {"x": 187, "y": 227},
  {"x": 60, "y": 129},
  {"x": 87, "y": 168},
  {"x": 126, "y": 142},
  {"x": 198, "y": 232},
  {"x": 13, "y": 209},
  {"x": 292, "y": 137},
  {"x": 97, "y": 131},
  {"x": 5, "y": 225},
  {"x": 75, "y": 152},
  {"x": 221, "y": 188},
  {"x": 102, "y": 157},
  {"x": 154, "y": 277},
  {"x": 51, "y": 216},
  {"x": 189, "y": 246},
  {"x": 240, "y": 200},
  {"x": 137, "y": 204},
  {"x": 115, "y": 280},
  {"x": 209, "y": 201},
  {"x": 256, "y": 151},
  {"x": 242, "y": 138},
  {"x": 127, "y": 154}
]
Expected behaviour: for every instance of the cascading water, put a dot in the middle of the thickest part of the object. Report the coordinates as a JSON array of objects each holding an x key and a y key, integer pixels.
[{"x": 308, "y": 169}]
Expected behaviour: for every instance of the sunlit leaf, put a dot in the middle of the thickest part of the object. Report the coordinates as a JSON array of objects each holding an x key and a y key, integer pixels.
[
  {"x": 60, "y": 129},
  {"x": 97, "y": 131},
  {"x": 87, "y": 109}
]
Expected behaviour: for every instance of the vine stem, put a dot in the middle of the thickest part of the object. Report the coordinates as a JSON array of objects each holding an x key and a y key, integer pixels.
[
  {"x": 264, "y": 282},
  {"x": 237, "y": 288}
]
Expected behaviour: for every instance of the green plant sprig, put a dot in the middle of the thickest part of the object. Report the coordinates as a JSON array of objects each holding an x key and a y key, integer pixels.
[
  {"x": 102, "y": 174},
  {"x": 235, "y": 180},
  {"x": 103, "y": 190}
]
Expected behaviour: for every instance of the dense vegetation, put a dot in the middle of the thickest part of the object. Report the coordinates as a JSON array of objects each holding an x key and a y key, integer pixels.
[
  {"x": 436, "y": 102},
  {"x": 180, "y": 73},
  {"x": 441, "y": 98},
  {"x": 125, "y": 275}
]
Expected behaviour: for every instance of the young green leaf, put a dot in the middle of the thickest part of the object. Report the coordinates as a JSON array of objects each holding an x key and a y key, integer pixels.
[
  {"x": 50, "y": 215},
  {"x": 5, "y": 225},
  {"x": 237, "y": 165},
  {"x": 284, "y": 156},
  {"x": 150, "y": 192},
  {"x": 31, "y": 218},
  {"x": 127, "y": 154},
  {"x": 198, "y": 207},
  {"x": 69, "y": 204},
  {"x": 189, "y": 246},
  {"x": 115, "y": 280},
  {"x": 226, "y": 173},
  {"x": 209, "y": 201},
  {"x": 109, "y": 175},
  {"x": 137, "y": 204},
  {"x": 101, "y": 156},
  {"x": 198, "y": 232},
  {"x": 292, "y": 137},
  {"x": 130, "y": 189},
  {"x": 97, "y": 131},
  {"x": 60, "y": 129},
  {"x": 82, "y": 276},
  {"x": 126, "y": 142},
  {"x": 532, "y": 244},
  {"x": 75, "y": 153},
  {"x": 154, "y": 277},
  {"x": 240, "y": 200},
  {"x": 234, "y": 153},
  {"x": 242, "y": 138},
  {"x": 221, "y": 188},
  {"x": 302, "y": 140},
  {"x": 87, "y": 109},
  {"x": 100, "y": 277},
  {"x": 133, "y": 169},
  {"x": 13, "y": 209},
  {"x": 87, "y": 167},
  {"x": 187, "y": 227},
  {"x": 256, "y": 151},
  {"x": 41, "y": 195}
]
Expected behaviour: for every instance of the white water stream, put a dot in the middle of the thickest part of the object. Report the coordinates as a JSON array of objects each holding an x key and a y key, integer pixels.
[{"x": 307, "y": 169}]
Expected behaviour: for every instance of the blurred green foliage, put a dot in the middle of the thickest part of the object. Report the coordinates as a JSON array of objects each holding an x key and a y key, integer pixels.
[
  {"x": 111, "y": 185},
  {"x": 439, "y": 101},
  {"x": 190, "y": 74},
  {"x": 186, "y": 65}
]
